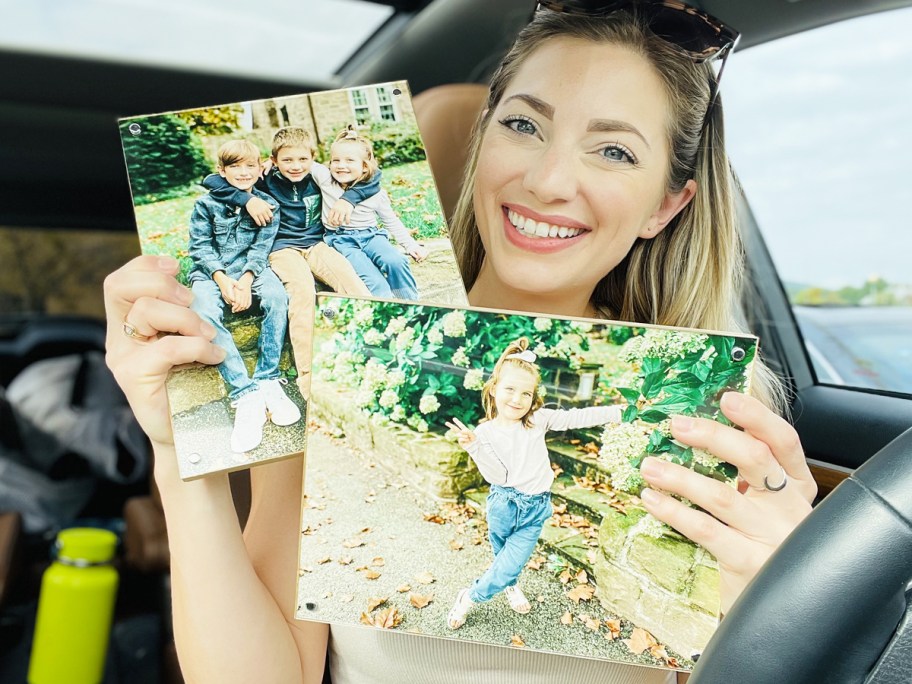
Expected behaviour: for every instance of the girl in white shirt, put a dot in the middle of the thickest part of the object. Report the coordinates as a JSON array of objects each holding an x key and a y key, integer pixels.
[
  {"x": 509, "y": 450},
  {"x": 383, "y": 268}
]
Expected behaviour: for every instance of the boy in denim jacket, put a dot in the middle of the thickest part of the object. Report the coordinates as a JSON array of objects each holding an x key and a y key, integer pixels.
[{"x": 230, "y": 264}]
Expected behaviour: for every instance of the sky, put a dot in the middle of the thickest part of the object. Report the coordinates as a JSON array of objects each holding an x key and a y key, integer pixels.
[{"x": 819, "y": 129}]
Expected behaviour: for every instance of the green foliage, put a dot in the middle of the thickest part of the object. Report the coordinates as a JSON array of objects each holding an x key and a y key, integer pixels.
[
  {"x": 423, "y": 365},
  {"x": 164, "y": 159},
  {"x": 213, "y": 120},
  {"x": 393, "y": 144},
  {"x": 680, "y": 373}
]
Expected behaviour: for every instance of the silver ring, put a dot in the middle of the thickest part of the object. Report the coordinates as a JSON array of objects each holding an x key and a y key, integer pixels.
[
  {"x": 767, "y": 487},
  {"x": 130, "y": 331}
]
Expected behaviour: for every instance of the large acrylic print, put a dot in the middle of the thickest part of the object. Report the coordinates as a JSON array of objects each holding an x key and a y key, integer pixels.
[
  {"x": 475, "y": 475},
  {"x": 265, "y": 203}
]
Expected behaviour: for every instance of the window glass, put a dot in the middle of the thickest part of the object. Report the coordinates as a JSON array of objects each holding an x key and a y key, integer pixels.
[
  {"x": 298, "y": 42},
  {"x": 819, "y": 128}
]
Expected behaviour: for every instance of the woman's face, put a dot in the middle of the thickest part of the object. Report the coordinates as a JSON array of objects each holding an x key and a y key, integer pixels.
[{"x": 572, "y": 169}]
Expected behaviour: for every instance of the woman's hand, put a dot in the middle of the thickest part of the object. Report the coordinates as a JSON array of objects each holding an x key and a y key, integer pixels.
[
  {"x": 464, "y": 435},
  {"x": 143, "y": 299},
  {"x": 741, "y": 527}
]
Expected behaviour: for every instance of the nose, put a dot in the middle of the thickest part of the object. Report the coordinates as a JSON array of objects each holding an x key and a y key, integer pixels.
[{"x": 551, "y": 177}]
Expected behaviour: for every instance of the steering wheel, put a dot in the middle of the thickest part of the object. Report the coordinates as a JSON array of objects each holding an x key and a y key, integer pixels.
[{"x": 831, "y": 604}]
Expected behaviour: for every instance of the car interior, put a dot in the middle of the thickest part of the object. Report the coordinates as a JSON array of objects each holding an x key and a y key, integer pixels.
[{"x": 830, "y": 606}]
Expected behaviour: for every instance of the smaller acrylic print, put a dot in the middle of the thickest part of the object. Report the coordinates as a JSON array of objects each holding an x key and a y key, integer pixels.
[
  {"x": 265, "y": 203},
  {"x": 475, "y": 475}
]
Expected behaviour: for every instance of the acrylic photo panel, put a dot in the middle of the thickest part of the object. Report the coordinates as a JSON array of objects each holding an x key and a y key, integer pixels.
[
  {"x": 395, "y": 513},
  {"x": 394, "y": 243}
]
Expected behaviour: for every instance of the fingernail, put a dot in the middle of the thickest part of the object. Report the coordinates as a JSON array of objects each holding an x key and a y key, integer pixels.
[
  {"x": 651, "y": 467},
  {"x": 649, "y": 497},
  {"x": 219, "y": 354},
  {"x": 207, "y": 329},
  {"x": 167, "y": 263},
  {"x": 682, "y": 423},
  {"x": 733, "y": 401}
]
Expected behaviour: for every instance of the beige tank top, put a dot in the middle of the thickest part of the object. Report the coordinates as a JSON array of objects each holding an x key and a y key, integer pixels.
[{"x": 360, "y": 655}]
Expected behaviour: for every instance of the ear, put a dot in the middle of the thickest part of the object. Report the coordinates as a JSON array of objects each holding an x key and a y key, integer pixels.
[
  {"x": 222, "y": 172},
  {"x": 671, "y": 206}
]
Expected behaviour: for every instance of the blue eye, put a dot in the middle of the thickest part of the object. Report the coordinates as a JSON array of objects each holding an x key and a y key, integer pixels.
[
  {"x": 617, "y": 153},
  {"x": 520, "y": 124}
]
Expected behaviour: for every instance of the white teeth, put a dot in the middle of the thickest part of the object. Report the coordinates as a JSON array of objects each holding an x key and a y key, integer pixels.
[{"x": 533, "y": 228}]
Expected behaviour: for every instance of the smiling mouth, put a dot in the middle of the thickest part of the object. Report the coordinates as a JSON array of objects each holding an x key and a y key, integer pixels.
[{"x": 532, "y": 228}]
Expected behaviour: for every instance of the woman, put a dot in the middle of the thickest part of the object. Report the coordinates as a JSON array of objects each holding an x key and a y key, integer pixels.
[{"x": 595, "y": 129}]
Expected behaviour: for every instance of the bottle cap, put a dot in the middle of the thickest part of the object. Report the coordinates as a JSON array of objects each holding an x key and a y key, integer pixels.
[{"x": 86, "y": 545}]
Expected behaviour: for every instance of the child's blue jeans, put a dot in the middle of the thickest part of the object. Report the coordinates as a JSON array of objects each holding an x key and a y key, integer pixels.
[
  {"x": 515, "y": 522},
  {"x": 208, "y": 303},
  {"x": 383, "y": 268}
]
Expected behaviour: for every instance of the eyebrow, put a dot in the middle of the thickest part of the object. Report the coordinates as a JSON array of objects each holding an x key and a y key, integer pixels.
[{"x": 595, "y": 125}]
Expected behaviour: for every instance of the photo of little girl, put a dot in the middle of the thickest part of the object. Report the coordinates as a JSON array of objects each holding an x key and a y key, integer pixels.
[
  {"x": 509, "y": 449},
  {"x": 383, "y": 268}
]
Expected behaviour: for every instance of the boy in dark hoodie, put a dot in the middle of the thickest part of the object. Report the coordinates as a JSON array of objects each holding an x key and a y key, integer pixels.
[{"x": 299, "y": 254}]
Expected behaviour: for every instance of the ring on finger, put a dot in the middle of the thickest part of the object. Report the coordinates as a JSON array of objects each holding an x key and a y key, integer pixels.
[
  {"x": 767, "y": 487},
  {"x": 130, "y": 331}
]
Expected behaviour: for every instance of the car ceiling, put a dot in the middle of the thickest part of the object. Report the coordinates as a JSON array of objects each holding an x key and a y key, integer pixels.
[{"x": 61, "y": 164}]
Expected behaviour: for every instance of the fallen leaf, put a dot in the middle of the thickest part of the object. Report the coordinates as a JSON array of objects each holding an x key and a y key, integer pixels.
[
  {"x": 640, "y": 640},
  {"x": 565, "y": 577},
  {"x": 581, "y": 592},
  {"x": 371, "y": 574},
  {"x": 566, "y": 618},
  {"x": 582, "y": 577},
  {"x": 324, "y": 560},
  {"x": 378, "y": 562},
  {"x": 365, "y": 530},
  {"x": 456, "y": 544},
  {"x": 574, "y": 441},
  {"x": 388, "y": 618},
  {"x": 517, "y": 641},
  {"x": 592, "y": 623},
  {"x": 353, "y": 543},
  {"x": 347, "y": 598},
  {"x": 560, "y": 509},
  {"x": 540, "y": 599},
  {"x": 402, "y": 588},
  {"x": 375, "y": 602},
  {"x": 614, "y": 629},
  {"x": 434, "y": 518},
  {"x": 304, "y": 569},
  {"x": 419, "y": 601},
  {"x": 345, "y": 560},
  {"x": 425, "y": 578}
]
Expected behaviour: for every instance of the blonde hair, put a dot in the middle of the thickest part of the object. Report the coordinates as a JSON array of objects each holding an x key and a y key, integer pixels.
[
  {"x": 487, "y": 392},
  {"x": 235, "y": 151},
  {"x": 690, "y": 274},
  {"x": 350, "y": 134},
  {"x": 293, "y": 136}
]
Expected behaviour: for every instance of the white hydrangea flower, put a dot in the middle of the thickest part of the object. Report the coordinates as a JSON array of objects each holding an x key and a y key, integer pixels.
[
  {"x": 405, "y": 338},
  {"x": 705, "y": 458},
  {"x": 434, "y": 336},
  {"x": 454, "y": 324},
  {"x": 652, "y": 527},
  {"x": 542, "y": 324},
  {"x": 620, "y": 443},
  {"x": 663, "y": 344},
  {"x": 421, "y": 425},
  {"x": 373, "y": 337},
  {"x": 395, "y": 378},
  {"x": 474, "y": 379},
  {"x": 374, "y": 374},
  {"x": 395, "y": 326},
  {"x": 388, "y": 398},
  {"x": 398, "y": 413},
  {"x": 581, "y": 327},
  {"x": 460, "y": 358},
  {"x": 364, "y": 314},
  {"x": 428, "y": 404},
  {"x": 364, "y": 397}
]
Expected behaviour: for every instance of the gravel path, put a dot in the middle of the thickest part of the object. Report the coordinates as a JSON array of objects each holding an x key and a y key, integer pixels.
[{"x": 367, "y": 537}]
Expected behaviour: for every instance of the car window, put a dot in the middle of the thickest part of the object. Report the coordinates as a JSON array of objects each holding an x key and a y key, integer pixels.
[
  {"x": 301, "y": 42},
  {"x": 819, "y": 127}
]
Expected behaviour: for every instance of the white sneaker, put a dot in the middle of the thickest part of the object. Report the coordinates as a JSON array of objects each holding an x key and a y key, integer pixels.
[
  {"x": 457, "y": 616},
  {"x": 517, "y": 600},
  {"x": 248, "y": 422},
  {"x": 282, "y": 410}
]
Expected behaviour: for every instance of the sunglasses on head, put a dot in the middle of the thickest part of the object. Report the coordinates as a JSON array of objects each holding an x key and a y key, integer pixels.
[{"x": 694, "y": 33}]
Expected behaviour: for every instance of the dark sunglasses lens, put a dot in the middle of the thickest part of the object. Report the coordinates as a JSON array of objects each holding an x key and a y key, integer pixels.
[{"x": 690, "y": 32}]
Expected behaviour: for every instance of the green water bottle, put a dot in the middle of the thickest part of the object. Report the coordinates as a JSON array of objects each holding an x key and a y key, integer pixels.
[{"x": 75, "y": 610}]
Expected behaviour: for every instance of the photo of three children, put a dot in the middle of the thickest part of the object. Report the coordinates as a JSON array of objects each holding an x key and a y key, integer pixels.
[{"x": 269, "y": 230}]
